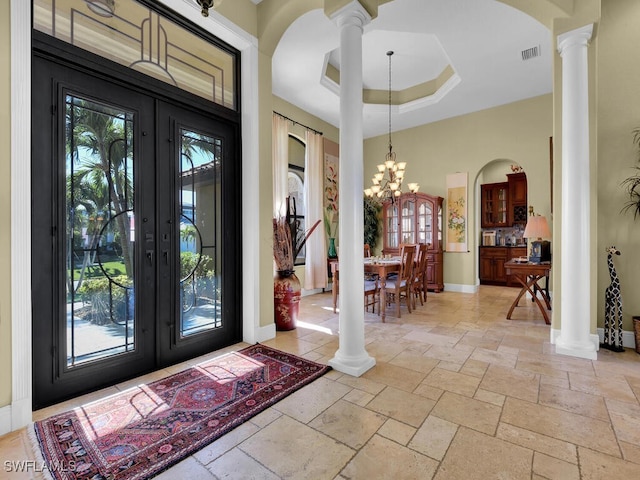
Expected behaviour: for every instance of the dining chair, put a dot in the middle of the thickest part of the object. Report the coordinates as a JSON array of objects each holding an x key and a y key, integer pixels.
[
  {"x": 367, "y": 250},
  {"x": 400, "y": 287},
  {"x": 371, "y": 290},
  {"x": 419, "y": 284}
]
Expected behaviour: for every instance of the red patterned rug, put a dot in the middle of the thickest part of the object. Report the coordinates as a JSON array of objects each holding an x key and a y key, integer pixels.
[{"x": 142, "y": 431}]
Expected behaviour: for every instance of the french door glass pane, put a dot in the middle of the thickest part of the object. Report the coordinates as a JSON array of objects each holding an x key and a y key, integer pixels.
[
  {"x": 200, "y": 217},
  {"x": 99, "y": 174}
]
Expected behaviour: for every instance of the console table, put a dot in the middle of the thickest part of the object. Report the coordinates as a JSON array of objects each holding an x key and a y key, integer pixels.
[{"x": 528, "y": 274}]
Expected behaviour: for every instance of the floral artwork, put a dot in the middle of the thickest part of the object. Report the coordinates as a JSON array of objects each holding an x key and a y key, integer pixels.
[
  {"x": 457, "y": 212},
  {"x": 331, "y": 195}
]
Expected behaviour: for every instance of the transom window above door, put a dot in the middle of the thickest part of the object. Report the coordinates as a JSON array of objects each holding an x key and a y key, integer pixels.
[{"x": 136, "y": 35}]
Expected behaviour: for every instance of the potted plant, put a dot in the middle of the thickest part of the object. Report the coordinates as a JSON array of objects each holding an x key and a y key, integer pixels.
[
  {"x": 288, "y": 240},
  {"x": 632, "y": 186}
]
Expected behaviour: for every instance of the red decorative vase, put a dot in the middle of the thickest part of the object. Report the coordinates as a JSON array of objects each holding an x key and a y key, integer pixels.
[{"x": 286, "y": 299}]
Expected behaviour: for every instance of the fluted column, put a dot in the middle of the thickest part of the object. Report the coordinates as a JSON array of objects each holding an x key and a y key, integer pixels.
[
  {"x": 575, "y": 313},
  {"x": 351, "y": 357}
]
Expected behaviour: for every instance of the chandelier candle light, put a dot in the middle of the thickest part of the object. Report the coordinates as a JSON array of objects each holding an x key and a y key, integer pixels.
[{"x": 387, "y": 183}]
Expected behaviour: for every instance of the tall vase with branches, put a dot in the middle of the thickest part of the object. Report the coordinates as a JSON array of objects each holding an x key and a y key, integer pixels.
[{"x": 288, "y": 240}]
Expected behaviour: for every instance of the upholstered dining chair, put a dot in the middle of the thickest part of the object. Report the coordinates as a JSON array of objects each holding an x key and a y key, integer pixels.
[
  {"x": 371, "y": 290},
  {"x": 419, "y": 284},
  {"x": 400, "y": 287}
]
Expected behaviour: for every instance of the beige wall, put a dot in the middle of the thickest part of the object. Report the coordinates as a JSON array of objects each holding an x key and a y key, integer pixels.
[
  {"x": 516, "y": 133},
  {"x": 5, "y": 205},
  {"x": 617, "y": 115}
]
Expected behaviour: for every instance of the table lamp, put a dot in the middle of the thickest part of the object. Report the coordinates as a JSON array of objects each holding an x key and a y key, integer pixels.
[{"x": 538, "y": 228}]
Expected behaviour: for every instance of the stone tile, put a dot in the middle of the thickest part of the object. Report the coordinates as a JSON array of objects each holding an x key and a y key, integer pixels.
[
  {"x": 482, "y": 342},
  {"x": 14, "y": 452},
  {"x": 414, "y": 361},
  {"x": 511, "y": 382},
  {"x": 225, "y": 443},
  {"x": 554, "y": 469},
  {"x": 358, "y": 397},
  {"x": 452, "y": 367},
  {"x": 293, "y": 450},
  {"x": 466, "y": 411},
  {"x": 567, "y": 426},
  {"x": 405, "y": 407},
  {"x": 540, "y": 443},
  {"x": 265, "y": 417},
  {"x": 598, "y": 466},
  {"x": 625, "y": 418},
  {"x": 611, "y": 389},
  {"x": 398, "y": 432},
  {"x": 308, "y": 402},
  {"x": 382, "y": 458},
  {"x": 428, "y": 392},
  {"x": 572, "y": 401},
  {"x": 476, "y": 455},
  {"x": 630, "y": 452},
  {"x": 237, "y": 465},
  {"x": 448, "y": 354},
  {"x": 431, "y": 338},
  {"x": 560, "y": 382},
  {"x": 495, "y": 358},
  {"x": 188, "y": 468},
  {"x": 434, "y": 437},
  {"x": 348, "y": 423},
  {"x": 522, "y": 342},
  {"x": 452, "y": 382},
  {"x": 489, "y": 397},
  {"x": 362, "y": 383},
  {"x": 395, "y": 376},
  {"x": 474, "y": 368}
]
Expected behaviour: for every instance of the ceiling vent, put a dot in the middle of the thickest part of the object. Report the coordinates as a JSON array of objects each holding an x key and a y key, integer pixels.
[{"x": 530, "y": 53}]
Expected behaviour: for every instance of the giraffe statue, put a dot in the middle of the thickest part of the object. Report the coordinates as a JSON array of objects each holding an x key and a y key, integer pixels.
[{"x": 613, "y": 307}]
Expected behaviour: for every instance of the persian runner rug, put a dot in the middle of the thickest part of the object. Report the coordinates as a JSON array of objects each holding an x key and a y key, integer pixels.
[{"x": 142, "y": 431}]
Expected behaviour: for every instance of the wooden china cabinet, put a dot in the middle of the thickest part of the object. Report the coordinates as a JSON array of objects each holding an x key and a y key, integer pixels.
[{"x": 416, "y": 218}]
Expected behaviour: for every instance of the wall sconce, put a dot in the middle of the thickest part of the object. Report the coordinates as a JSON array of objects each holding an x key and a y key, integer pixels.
[
  {"x": 206, "y": 5},
  {"x": 104, "y": 8}
]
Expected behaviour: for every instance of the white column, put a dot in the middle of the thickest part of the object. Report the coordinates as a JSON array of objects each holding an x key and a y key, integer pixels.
[
  {"x": 351, "y": 357},
  {"x": 575, "y": 313},
  {"x": 20, "y": 214}
]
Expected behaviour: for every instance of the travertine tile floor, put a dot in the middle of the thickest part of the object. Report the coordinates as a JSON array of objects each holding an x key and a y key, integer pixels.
[{"x": 458, "y": 392}]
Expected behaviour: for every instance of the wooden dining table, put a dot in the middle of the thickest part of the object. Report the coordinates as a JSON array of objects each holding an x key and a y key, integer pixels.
[{"x": 381, "y": 267}]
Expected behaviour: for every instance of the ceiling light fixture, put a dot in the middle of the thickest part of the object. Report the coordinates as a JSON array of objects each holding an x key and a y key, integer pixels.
[
  {"x": 387, "y": 183},
  {"x": 104, "y": 8},
  {"x": 206, "y": 5}
]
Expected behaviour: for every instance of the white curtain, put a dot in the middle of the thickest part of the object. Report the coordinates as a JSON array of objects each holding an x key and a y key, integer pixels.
[
  {"x": 280, "y": 164},
  {"x": 315, "y": 269}
]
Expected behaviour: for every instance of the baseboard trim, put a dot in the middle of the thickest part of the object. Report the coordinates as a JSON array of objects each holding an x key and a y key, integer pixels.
[
  {"x": 5, "y": 419},
  {"x": 628, "y": 338},
  {"x": 460, "y": 288}
]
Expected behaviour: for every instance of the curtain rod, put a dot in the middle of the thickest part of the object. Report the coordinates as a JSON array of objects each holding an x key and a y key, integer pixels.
[{"x": 298, "y": 123}]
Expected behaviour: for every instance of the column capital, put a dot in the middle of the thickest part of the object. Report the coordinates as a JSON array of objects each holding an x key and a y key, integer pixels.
[
  {"x": 355, "y": 12},
  {"x": 577, "y": 37}
]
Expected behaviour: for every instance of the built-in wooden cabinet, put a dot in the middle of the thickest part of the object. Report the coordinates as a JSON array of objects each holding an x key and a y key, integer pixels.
[
  {"x": 492, "y": 260},
  {"x": 495, "y": 204},
  {"x": 416, "y": 218},
  {"x": 517, "y": 198}
]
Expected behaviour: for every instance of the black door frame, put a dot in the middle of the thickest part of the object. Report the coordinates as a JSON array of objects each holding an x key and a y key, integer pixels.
[{"x": 66, "y": 55}]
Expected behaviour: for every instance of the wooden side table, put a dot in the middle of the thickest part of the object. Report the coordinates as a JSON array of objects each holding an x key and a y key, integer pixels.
[{"x": 528, "y": 274}]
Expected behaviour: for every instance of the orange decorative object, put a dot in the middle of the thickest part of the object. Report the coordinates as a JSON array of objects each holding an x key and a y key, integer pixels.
[{"x": 286, "y": 300}]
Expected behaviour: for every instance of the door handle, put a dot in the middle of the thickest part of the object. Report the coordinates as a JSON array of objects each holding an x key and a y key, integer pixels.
[
  {"x": 150, "y": 256},
  {"x": 165, "y": 253}
]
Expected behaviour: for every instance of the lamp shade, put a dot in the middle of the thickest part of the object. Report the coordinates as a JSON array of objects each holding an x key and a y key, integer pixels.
[{"x": 537, "y": 227}]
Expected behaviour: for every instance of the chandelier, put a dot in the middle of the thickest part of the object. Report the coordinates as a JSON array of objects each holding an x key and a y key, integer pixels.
[{"x": 387, "y": 182}]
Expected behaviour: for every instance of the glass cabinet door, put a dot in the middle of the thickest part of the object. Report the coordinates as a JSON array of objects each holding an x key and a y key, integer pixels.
[
  {"x": 408, "y": 221},
  {"x": 425, "y": 223},
  {"x": 392, "y": 226}
]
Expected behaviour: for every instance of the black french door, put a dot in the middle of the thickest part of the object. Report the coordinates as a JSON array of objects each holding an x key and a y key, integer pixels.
[{"x": 135, "y": 261}]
